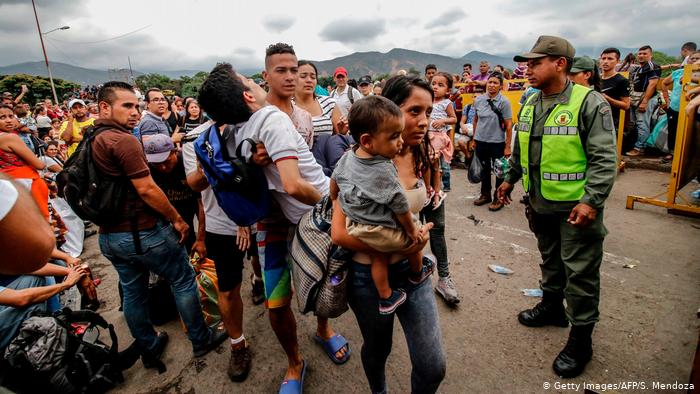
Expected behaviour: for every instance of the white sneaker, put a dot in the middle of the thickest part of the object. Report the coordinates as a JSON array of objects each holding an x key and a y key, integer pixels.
[{"x": 447, "y": 290}]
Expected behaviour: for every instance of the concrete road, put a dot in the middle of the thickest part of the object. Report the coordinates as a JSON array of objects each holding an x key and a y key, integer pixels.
[{"x": 648, "y": 330}]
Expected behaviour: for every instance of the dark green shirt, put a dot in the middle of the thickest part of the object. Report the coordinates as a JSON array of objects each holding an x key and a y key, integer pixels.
[{"x": 597, "y": 133}]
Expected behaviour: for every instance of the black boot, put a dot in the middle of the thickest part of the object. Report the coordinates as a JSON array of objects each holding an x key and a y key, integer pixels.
[
  {"x": 548, "y": 312},
  {"x": 576, "y": 354}
]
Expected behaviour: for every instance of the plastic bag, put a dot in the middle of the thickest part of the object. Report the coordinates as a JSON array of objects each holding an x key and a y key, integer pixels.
[
  {"x": 208, "y": 286},
  {"x": 475, "y": 168},
  {"x": 658, "y": 138},
  {"x": 500, "y": 167},
  {"x": 74, "y": 224}
]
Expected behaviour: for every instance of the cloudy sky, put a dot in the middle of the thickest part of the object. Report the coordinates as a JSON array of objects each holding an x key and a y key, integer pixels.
[{"x": 195, "y": 34}]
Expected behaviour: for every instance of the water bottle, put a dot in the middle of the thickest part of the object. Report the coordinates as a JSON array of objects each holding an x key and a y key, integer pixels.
[
  {"x": 335, "y": 280},
  {"x": 695, "y": 197}
]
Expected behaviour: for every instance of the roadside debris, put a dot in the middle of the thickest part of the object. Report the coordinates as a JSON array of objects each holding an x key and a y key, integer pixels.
[{"x": 500, "y": 269}]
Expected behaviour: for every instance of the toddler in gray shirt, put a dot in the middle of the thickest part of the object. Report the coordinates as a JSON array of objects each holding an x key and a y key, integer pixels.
[{"x": 367, "y": 186}]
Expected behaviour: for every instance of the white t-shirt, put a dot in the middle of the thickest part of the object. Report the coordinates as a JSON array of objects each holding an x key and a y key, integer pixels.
[
  {"x": 8, "y": 197},
  {"x": 342, "y": 100},
  {"x": 43, "y": 121},
  {"x": 276, "y": 131},
  {"x": 49, "y": 161},
  {"x": 216, "y": 221}
]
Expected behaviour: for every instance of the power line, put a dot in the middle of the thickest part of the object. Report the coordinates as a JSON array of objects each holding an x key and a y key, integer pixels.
[
  {"x": 63, "y": 54},
  {"x": 101, "y": 41}
]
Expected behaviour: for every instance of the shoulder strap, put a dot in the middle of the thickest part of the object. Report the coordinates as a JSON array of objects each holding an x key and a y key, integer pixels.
[
  {"x": 350, "y": 97},
  {"x": 252, "y": 142},
  {"x": 498, "y": 113}
]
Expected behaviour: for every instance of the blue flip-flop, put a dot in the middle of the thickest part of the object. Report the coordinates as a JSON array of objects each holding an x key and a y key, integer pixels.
[
  {"x": 333, "y": 345},
  {"x": 293, "y": 386}
]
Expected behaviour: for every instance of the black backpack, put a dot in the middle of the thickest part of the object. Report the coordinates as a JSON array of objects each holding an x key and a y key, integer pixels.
[
  {"x": 63, "y": 353},
  {"x": 92, "y": 195}
]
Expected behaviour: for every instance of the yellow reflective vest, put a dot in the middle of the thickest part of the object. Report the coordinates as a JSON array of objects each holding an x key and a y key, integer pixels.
[{"x": 563, "y": 163}]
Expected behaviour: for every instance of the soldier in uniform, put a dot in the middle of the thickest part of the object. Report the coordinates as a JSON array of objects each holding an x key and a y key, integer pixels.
[{"x": 565, "y": 154}]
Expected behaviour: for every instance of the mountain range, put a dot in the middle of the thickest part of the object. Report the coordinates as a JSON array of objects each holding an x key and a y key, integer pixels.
[
  {"x": 357, "y": 64},
  {"x": 81, "y": 75},
  {"x": 370, "y": 63}
]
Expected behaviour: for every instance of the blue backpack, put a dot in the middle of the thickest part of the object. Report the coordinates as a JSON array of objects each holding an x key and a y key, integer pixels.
[{"x": 240, "y": 187}]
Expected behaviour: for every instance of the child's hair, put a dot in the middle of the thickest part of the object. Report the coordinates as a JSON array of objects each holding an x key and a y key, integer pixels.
[
  {"x": 448, "y": 78},
  {"x": 20, "y": 111},
  {"x": 367, "y": 115}
]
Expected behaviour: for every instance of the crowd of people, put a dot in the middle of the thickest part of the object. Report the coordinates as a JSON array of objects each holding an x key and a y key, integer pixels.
[{"x": 381, "y": 150}]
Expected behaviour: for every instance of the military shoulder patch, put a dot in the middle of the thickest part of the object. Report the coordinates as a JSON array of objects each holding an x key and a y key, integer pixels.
[{"x": 608, "y": 122}]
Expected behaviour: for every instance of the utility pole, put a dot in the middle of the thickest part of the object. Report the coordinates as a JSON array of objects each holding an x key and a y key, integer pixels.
[{"x": 46, "y": 58}]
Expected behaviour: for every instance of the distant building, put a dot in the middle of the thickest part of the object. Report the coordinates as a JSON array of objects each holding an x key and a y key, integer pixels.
[{"x": 119, "y": 74}]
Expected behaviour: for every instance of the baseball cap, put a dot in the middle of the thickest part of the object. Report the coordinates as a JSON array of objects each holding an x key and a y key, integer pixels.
[
  {"x": 583, "y": 63},
  {"x": 547, "y": 46},
  {"x": 365, "y": 80},
  {"x": 340, "y": 70},
  {"x": 158, "y": 148},
  {"x": 74, "y": 102}
]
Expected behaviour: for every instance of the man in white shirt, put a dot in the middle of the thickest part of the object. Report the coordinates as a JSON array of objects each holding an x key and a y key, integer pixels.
[
  {"x": 343, "y": 91},
  {"x": 295, "y": 180}
]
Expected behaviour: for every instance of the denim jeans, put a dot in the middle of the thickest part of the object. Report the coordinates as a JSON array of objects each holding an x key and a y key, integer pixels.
[
  {"x": 445, "y": 168},
  {"x": 643, "y": 122},
  {"x": 437, "y": 237},
  {"x": 11, "y": 318},
  {"x": 165, "y": 257},
  {"x": 418, "y": 317}
]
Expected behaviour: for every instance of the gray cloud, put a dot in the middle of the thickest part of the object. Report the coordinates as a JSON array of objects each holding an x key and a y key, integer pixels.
[
  {"x": 448, "y": 31},
  {"x": 627, "y": 23},
  {"x": 145, "y": 52},
  {"x": 448, "y": 17},
  {"x": 352, "y": 30},
  {"x": 596, "y": 24},
  {"x": 492, "y": 41},
  {"x": 18, "y": 16},
  {"x": 278, "y": 23}
]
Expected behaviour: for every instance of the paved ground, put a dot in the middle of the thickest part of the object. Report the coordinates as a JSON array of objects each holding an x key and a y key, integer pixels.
[{"x": 648, "y": 330}]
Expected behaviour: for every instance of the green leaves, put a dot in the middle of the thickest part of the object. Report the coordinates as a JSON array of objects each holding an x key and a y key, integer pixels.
[{"x": 39, "y": 87}]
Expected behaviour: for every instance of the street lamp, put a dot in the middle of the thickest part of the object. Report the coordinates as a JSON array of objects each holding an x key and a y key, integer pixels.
[
  {"x": 58, "y": 28},
  {"x": 43, "y": 48}
]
